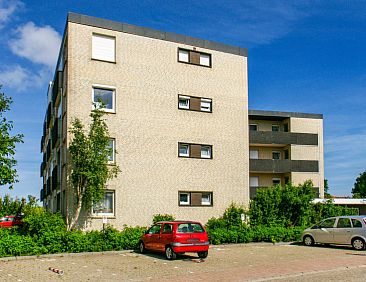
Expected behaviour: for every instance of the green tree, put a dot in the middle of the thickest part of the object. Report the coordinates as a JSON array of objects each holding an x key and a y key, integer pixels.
[
  {"x": 8, "y": 173},
  {"x": 282, "y": 206},
  {"x": 89, "y": 166},
  {"x": 359, "y": 188},
  {"x": 326, "y": 189}
]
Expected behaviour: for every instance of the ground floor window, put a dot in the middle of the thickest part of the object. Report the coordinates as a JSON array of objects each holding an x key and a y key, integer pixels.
[
  {"x": 195, "y": 198},
  {"x": 106, "y": 207}
]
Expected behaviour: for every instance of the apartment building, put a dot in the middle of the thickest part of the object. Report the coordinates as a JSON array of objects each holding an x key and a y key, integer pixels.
[
  {"x": 177, "y": 112},
  {"x": 285, "y": 147}
]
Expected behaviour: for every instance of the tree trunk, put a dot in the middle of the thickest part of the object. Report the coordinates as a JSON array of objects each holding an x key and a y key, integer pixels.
[{"x": 75, "y": 217}]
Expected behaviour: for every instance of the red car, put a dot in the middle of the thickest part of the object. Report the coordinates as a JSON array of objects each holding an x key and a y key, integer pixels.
[
  {"x": 176, "y": 237},
  {"x": 10, "y": 221}
]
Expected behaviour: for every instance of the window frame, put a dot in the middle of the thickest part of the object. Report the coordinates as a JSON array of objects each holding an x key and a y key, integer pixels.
[
  {"x": 253, "y": 124},
  {"x": 199, "y": 52},
  {"x": 190, "y": 199},
  {"x": 205, "y": 99},
  {"x": 188, "y": 150},
  {"x": 105, "y": 87},
  {"x": 115, "y": 47},
  {"x": 113, "y": 161},
  {"x": 103, "y": 214},
  {"x": 275, "y": 126},
  {"x": 190, "y": 153},
  {"x": 276, "y": 152},
  {"x": 209, "y": 151},
  {"x": 181, "y": 203},
  {"x": 276, "y": 179},
  {"x": 183, "y": 97}
]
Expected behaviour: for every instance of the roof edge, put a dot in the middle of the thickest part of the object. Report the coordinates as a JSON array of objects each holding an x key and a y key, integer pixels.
[
  {"x": 156, "y": 34},
  {"x": 263, "y": 113}
]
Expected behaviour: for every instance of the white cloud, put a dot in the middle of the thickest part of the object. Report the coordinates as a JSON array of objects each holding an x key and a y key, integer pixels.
[
  {"x": 21, "y": 79},
  {"x": 37, "y": 44},
  {"x": 7, "y": 9}
]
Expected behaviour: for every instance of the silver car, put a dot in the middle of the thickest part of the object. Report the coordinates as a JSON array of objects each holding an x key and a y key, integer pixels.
[{"x": 340, "y": 230}]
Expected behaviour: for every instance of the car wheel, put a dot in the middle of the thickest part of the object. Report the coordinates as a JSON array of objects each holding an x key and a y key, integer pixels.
[
  {"x": 308, "y": 240},
  {"x": 142, "y": 247},
  {"x": 170, "y": 254},
  {"x": 358, "y": 244},
  {"x": 203, "y": 254}
]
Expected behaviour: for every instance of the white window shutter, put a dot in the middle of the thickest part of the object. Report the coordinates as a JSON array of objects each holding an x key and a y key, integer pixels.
[
  {"x": 183, "y": 56},
  {"x": 103, "y": 48},
  {"x": 253, "y": 154},
  {"x": 204, "y": 60}
]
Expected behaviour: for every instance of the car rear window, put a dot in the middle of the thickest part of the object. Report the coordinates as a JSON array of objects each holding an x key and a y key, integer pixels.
[
  {"x": 356, "y": 223},
  {"x": 190, "y": 228}
]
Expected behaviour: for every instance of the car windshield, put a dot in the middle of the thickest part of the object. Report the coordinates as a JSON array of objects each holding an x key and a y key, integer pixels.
[{"x": 190, "y": 228}]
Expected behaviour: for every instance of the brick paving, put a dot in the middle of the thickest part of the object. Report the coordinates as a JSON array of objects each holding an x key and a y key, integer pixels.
[{"x": 247, "y": 262}]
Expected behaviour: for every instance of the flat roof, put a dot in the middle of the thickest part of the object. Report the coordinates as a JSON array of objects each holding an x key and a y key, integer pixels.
[
  {"x": 275, "y": 115},
  {"x": 156, "y": 34}
]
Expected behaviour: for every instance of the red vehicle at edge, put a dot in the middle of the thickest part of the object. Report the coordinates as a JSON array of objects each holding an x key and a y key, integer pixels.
[
  {"x": 176, "y": 237},
  {"x": 10, "y": 221}
]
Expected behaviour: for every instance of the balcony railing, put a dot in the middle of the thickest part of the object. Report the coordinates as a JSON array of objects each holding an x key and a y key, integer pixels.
[
  {"x": 283, "y": 166},
  {"x": 282, "y": 138}
]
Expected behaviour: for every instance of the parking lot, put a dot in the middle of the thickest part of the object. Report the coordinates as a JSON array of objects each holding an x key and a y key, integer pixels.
[{"x": 253, "y": 262}]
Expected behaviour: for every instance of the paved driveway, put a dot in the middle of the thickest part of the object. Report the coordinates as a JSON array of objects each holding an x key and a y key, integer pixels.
[{"x": 253, "y": 262}]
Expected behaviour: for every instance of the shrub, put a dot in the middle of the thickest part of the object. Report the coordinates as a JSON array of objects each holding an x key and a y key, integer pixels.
[{"x": 162, "y": 217}]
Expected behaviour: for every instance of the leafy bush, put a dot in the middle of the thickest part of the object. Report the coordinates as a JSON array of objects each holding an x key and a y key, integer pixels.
[
  {"x": 10, "y": 206},
  {"x": 162, "y": 217},
  {"x": 282, "y": 206}
]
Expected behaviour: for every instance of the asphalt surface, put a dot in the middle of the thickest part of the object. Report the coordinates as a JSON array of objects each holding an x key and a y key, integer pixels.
[{"x": 247, "y": 262}]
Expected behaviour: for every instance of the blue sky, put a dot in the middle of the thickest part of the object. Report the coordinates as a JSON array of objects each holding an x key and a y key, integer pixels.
[{"x": 306, "y": 56}]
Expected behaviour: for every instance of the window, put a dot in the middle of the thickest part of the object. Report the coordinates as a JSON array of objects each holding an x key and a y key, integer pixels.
[
  {"x": 287, "y": 155},
  {"x": 253, "y": 127},
  {"x": 183, "y": 150},
  {"x": 190, "y": 228},
  {"x": 285, "y": 127},
  {"x": 356, "y": 223},
  {"x": 195, "y": 198},
  {"x": 254, "y": 181},
  {"x": 184, "y": 199},
  {"x": 276, "y": 181},
  {"x": 194, "y": 57},
  {"x": 275, "y": 127},
  {"x": 253, "y": 154},
  {"x": 106, "y": 206},
  {"x": 196, "y": 151},
  {"x": 276, "y": 155},
  {"x": 205, "y": 59},
  {"x": 328, "y": 223},
  {"x": 155, "y": 229},
  {"x": 103, "y": 48},
  {"x": 344, "y": 223},
  {"x": 206, "y": 105},
  {"x": 205, "y": 152},
  {"x": 287, "y": 180},
  {"x": 206, "y": 199},
  {"x": 183, "y": 102},
  {"x": 168, "y": 228},
  {"x": 183, "y": 56},
  {"x": 194, "y": 103},
  {"x": 104, "y": 97},
  {"x": 112, "y": 152}
]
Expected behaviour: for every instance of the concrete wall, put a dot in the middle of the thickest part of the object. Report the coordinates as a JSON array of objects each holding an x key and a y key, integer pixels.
[{"x": 148, "y": 125}]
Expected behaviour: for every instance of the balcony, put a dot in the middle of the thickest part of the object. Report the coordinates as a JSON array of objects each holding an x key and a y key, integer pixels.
[
  {"x": 48, "y": 186},
  {"x": 57, "y": 84},
  {"x": 55, "y": 132},
  {"x": 42, "y": 143},
  {"x": 42, "y": 195},
  {"x": 253, "y": 191},
  {"x": 54, "y": 178},
  {"x": 283, "y": 166},
  {"x": 282, "y": 138},
  {"x": 49, "y": 113},
  {"x": 42, "y": 169}
]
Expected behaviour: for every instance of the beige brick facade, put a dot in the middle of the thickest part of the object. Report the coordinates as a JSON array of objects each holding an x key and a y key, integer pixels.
[{"x": 147, "y": 124}]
